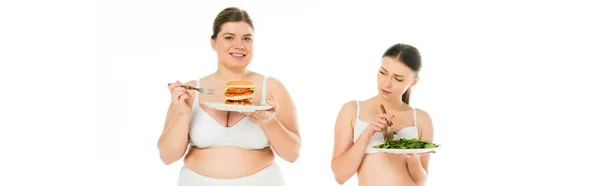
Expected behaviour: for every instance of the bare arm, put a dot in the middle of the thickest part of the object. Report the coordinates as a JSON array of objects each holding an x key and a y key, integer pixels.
[
  {"x": 418, "y": 166},
  {"x": 173, "y": 141},
  {"x": 347, "y": 155},
  {"x": 283, "y": 132}
]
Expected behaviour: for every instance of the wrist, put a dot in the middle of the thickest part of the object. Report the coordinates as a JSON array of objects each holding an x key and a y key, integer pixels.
[
  {"x": 367, "y": 134},
  {"x": 185, "y": 114},
  {"x": 270, "y": 123}
]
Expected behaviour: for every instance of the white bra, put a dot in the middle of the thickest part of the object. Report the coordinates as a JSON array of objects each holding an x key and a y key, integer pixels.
[
  {"x": 206, "y": 132},
  {"x": 359, "y": 126}
]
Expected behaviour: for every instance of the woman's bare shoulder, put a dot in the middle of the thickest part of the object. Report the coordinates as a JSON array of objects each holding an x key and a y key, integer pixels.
[
  {"x": 275, "y": 86},
  {"x": 348, "y": 109},
  {"x": 424, "y": 121},
  {"x": 422, "y": 115}
]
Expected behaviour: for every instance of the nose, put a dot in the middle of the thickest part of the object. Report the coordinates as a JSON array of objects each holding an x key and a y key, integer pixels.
[
  {"x": 239, "y": 45},
  {"x": 388, "y": 83}
]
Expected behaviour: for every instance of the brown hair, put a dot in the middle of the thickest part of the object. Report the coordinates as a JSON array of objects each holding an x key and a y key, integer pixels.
[
  {"x": 410, "y": 56},
  {"x": 230, "y": 14}
]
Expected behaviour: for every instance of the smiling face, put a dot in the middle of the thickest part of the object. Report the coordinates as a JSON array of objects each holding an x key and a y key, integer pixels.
[
  {"x": 394, "y": 78},
  {"x": 233, "y": 44}
]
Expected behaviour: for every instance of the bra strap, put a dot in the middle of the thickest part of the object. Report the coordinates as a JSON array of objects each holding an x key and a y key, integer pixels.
[{"x": 264, "y": 91}]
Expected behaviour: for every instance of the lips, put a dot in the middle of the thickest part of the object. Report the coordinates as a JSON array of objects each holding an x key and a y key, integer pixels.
[{"x": 386, "y": 92}]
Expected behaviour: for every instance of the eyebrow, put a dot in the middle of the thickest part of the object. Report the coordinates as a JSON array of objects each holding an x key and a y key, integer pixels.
[
  {"x": 227, "y": 33},
  {"x": 394, "y": 74}
]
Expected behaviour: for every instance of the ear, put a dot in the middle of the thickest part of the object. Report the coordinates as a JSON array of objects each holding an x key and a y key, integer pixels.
[
  {"x": 212, "y": 43},
  {"x": 414, "y": 82}
]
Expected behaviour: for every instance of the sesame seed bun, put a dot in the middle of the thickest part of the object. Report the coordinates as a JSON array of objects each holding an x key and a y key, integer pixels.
[{"x": 240, "y": 84}]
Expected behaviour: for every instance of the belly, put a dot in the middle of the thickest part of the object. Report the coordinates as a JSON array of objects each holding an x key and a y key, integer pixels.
[
  {"x": 383, "y": 169},
  {"x": 227, "y": 162}
]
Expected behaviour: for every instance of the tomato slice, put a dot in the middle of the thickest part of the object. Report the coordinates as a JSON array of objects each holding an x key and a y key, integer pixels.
[
  {"x": 238, "y": 90},
  {"x": 245, "y": 93}
]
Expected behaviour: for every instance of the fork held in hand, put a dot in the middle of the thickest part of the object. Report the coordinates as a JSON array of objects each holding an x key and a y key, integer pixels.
[
  {"x": 205, "y": 91},
  {"x": 388, "y": 122}
]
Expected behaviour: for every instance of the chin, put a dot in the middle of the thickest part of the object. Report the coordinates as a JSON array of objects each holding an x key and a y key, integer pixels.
[
  {"x": 236, "y": 65},
  {"x": 383, "y": 96}
]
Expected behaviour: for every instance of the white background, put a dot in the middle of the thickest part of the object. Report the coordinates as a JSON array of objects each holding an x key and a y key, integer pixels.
[{"x": 510, "y": 86}]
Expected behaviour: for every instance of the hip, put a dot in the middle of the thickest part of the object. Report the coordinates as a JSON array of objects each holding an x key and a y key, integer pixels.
[{"x": 268, "y": 176}]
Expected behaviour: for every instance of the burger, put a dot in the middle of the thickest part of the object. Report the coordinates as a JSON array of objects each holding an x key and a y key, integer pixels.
[{"x": 239, "y": 92}]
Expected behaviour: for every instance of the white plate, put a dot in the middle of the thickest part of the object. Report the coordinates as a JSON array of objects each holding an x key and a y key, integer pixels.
[
  {"x": 407, "y": 151},
  {"x": 236, "y": 108}
]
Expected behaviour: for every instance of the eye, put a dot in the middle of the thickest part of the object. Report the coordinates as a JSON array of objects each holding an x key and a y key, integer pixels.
[
  {"x": 400, "y": 80},
  {"x": 228, "y": 38},
  {"x": 248, "y": 39},
  {"x": 381, "y": 72}
]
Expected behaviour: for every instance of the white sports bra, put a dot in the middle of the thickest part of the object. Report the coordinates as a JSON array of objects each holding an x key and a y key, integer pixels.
[
  {"x": 359, "y": 126},
  {"x": 206, "y": 132}
]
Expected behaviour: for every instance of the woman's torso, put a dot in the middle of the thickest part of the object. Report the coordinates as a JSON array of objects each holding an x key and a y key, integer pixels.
[
  {"x": 379, "y": 168},
  {"x": 226, "y": 144}
]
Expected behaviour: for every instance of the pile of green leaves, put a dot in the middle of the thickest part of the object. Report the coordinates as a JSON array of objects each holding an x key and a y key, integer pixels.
[{"x": 403, "y": 143}]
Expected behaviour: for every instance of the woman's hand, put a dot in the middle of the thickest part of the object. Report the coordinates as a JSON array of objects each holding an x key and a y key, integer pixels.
[
  {"x": 416, "y": 155},
  {"x": 264, "y": 117},
  {"x": 380, "y": 123},
  {"x": 180, "y": 97}
]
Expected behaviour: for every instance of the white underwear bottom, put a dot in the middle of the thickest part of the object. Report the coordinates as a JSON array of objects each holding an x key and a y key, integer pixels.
[{"x": 269, "y": 176}]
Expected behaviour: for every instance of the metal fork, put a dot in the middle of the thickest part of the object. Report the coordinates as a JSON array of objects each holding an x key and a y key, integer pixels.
[{"x": 205, "y": 91}]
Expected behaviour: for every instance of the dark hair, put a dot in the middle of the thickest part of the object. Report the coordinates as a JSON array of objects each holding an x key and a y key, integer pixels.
[
  {"x": 410, "y": 56},
  {"x": 230, "y": 14}
]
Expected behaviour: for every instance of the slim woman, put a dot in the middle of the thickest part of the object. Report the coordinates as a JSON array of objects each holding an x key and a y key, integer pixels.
[{"x": 360, "y": 125}]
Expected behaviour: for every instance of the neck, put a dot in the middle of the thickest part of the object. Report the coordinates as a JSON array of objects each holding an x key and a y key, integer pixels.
[
  {"x": 390, "y": 103},
  {"x": 229, "y": 73}
]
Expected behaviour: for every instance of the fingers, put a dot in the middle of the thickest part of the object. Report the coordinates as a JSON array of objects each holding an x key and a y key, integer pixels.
[
  {"x": 254, "y": 117},
  {"x": 425, "y": 153},
  {"x": 258, "y": 116},
  {"x": 273, "y": 103},
  {"x": 173, "y": 85},
  {"x": 250, "y": 114},
  {"x": 183, "y": 98},
  {"x": 262, "y": 113},
  {"x": 378, "y": 126},
  {"x": 382, "y": 121},
  {"x": 413, "y": 155},
  {"x": 253, "y": 114},
  {"x": 385, "y": 117},
  {"x": 177, "y": 93}
]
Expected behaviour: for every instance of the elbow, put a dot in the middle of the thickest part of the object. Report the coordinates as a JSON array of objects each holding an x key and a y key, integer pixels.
[
  {"x": 292, "y": 157},
  {"x": 167, "y": 161},
  {"x": 169, "y": 158},
  {"x": 422, "y": 182},
  {"x": 339, "y": 179}
]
